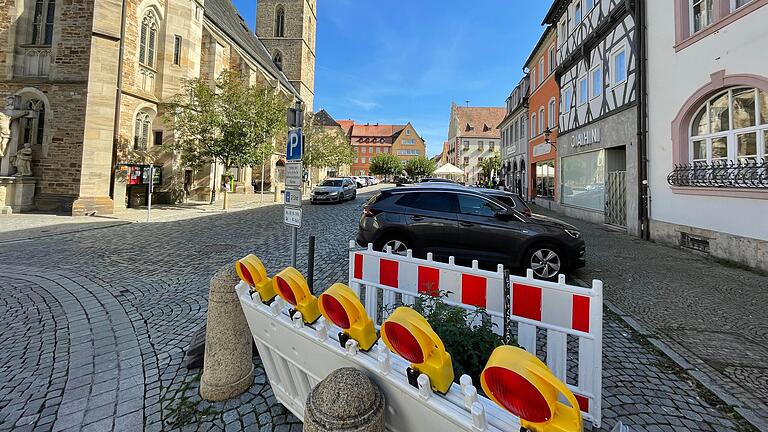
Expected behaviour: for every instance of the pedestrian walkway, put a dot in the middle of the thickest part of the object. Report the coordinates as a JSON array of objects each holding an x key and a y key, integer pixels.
[{"x": 710, "y": 317}]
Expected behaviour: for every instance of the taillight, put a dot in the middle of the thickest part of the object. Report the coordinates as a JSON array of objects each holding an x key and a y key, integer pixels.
[
  {"x": 517, "y": 395},
  {"x": 403, "y": 342},
  {"x": 335, "y": 311},
  {"x": 286, "y": 291},
  {"x": 369, "y": 212}
]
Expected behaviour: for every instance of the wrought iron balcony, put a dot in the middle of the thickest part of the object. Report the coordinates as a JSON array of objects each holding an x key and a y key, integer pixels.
[{"x": 743, "y": 174}]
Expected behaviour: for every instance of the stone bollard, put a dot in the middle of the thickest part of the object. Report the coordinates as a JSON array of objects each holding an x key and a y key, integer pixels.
[
  {"x": 278, "y": 187},
  {"x": 347, "y": 400},
  {"x": 228, "y": 364}
]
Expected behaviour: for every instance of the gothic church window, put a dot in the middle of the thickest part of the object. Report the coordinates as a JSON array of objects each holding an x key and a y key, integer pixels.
[
  {"x": 279, "y": 22},
  {"x": 42, "y": 22},
  {"x": 141, "y": 131},
  {"x": 148, "y": 39},
  {"x": 278, "y": 59},
  {"x": 33, "y": 129}
]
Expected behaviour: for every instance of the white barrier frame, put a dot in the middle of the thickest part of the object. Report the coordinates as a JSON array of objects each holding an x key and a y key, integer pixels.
[{"x": 589, "y": 385}]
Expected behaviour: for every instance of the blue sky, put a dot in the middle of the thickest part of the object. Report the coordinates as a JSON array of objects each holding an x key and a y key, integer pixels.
[{"x": 394, "y": 61}]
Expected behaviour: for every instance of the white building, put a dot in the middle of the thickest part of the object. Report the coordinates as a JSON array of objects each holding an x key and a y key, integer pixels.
[
  {"x": 514, "y": 139},
  {"x": 472, "y": 137},
  {"x": 708, "y": 107}
]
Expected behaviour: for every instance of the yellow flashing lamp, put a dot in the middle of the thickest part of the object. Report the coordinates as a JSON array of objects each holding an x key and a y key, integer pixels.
[
  {"x": 522, "y": 384},
  {"x": 292, "y": 287},
  {"x": 251, "y": 270},
  {"x": 408, "y": 334},
  {"x": 340, "y": 305}
]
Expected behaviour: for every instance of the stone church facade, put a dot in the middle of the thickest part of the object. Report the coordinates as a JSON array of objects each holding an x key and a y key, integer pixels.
[{"x": 84, "y": 81}]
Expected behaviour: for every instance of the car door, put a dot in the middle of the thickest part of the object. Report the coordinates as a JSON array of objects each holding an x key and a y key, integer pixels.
[
  {"x": 485, "y": 236},
  {"x": 432, "y": 223},
  {"x": 347, "y": 189}
]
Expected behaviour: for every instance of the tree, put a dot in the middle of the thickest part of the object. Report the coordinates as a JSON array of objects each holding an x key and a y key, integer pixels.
[
  {"x": 325, "y": 146},
  {"x": 491, "y": 166},
  {"x": 385, "y": 164},
  {"x": 420, "y": 167},
  {"x": 230, "y": 123}
]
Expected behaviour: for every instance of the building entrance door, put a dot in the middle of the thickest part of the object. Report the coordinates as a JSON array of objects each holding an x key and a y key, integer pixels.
[{"x": 616, "y": 198}]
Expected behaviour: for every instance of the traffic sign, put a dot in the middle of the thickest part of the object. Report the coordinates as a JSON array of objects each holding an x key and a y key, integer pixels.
[
  {"x": 293, "y": 174},
  {"x": 292, "y": 197},
  {"x": 292, "y": 216},
  {"x": 293, "y": 149}
]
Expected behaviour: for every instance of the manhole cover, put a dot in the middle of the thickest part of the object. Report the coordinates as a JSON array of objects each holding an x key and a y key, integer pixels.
[{"x": 721, "y": 349}]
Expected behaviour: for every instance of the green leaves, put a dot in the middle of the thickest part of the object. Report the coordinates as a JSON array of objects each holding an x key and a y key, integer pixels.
[
  {"x": 325, "y": 146},
  {"x": 491, "y": 165},
  {"x": 231, "y": 122},
  {"x": 420, "y": 167},
  {"x": 385, "y": 164}
]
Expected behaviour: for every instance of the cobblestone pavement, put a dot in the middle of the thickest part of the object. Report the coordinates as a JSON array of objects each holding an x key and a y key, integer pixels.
[
  {"x": 95, "y": 324},
  {"x": 712, "y": 315}
]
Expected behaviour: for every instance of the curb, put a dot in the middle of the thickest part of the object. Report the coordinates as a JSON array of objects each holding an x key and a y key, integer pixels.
[{"x": 117, "y": 223}]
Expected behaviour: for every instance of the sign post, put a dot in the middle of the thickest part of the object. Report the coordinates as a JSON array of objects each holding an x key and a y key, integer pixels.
[
  {"x": 294, "y": 170},
  {"x": 149, "y": 191}
]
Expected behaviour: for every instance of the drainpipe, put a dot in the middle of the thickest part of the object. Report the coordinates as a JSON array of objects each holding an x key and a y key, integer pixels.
[
  {"x": 642, "y": 116},
  {"x": 118, "y": 101}
]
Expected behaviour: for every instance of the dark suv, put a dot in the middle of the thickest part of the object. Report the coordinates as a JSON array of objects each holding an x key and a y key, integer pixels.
[{"x": 469, "y": 224}]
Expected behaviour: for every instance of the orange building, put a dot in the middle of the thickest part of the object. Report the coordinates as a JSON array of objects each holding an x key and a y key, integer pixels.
[
  {"x": 369, "y": 140},
  {"x": 543, "y": 113}
]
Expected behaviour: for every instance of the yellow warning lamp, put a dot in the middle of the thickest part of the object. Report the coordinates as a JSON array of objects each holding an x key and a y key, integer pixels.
[
  {"x": 340, "y": 305},
  {"x": 251, "y": 271},
  {"x": 292, "y": 287},
  {"x": 523, "y": 385},
  {"x": 408, "y": 334}
]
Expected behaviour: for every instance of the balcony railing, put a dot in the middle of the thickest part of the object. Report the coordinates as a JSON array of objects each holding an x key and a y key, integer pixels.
[{"x": 743, "y": 174}]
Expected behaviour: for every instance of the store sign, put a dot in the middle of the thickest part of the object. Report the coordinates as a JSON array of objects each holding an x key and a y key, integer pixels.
[
  {"x": 582, "y": 139},
  {"x": 542, "y": 149}
]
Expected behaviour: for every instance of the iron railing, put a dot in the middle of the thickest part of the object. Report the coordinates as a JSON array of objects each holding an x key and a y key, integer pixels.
[{"x": 747, "y": 173}]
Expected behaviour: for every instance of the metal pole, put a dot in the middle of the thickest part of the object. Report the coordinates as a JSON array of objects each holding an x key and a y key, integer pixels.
[
  {"x": 215, "y": 181},
  {"x": 294, "y": 245},
  {"x": 263, "y": 159},
  {"x": 149, "y": 194},
  {"x": 311, "y": 264},
  {"x": 507, "y": 307}
]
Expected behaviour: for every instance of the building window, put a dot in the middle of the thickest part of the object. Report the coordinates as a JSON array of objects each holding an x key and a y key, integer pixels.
[
  {"x": 407, "y": 131},
  {"x": 42, "y": 22},
  {"x": 735, "y": 4},
  {"x": 491, "y": 145},
  {"x": 533, "y": 125},
  {"x": 147, "y": 39},
  {"x": 619, "y": 66},
  {"x": 733, "y": 126},
  {"x": 577, "y": 14},
  {"x": 552, "y": 113},
  {"x": 158, "y": 138},
  {"x": 567, "y": 99},
  {"x": 542, "y": 73},
  {"x": 278, "y": 60},
  {"x": 386, "y": 149},
  {"x": 280, "y": 21},
  {"x": 177, "y": 50},
  {"x": 701, "y": 13},
  {"x": 33, "y": 129},
  {"x": 466, "y": 160},
  {"x": 588, "y": 5},
  {"x": 597, "y": 82},
  {"x": 362, "y": 160},
  {"x": 370, "y": 150},
  {"x": 582, "y": 91},
  {"x": 480, "y": 145},
  {"x": 552, "y": 59},
  {"x": 141, "y": 131},
  {"x": 541, "y": 120},
  {"x": 563, "y": 31}
]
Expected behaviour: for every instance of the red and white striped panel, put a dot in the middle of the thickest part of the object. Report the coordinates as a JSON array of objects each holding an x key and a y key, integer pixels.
[
  {"x": 556, "y": 308},
  {"x": 417, "y": 276}
]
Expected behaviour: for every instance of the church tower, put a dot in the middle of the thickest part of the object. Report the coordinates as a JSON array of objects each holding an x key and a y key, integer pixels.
[{"x": 287, "y": 29}]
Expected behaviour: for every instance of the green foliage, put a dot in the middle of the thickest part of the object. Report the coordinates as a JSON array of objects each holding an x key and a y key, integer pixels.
[
  {"x": 232, "y": 122},
  {"x": 491, "y": 165},
  {"x": 183, "y": 406},
  {"x": 420, "y": 167},
  {"x": 325, "y": 146},
  {"x": 468, "y": 335},
  {"x": 385, "y": 164}
]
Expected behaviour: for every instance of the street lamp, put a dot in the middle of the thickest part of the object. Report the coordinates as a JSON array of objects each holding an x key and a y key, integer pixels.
[{"x": 547, "y": 134}]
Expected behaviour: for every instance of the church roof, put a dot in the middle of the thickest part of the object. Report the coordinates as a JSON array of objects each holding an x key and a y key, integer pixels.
[{"x": 224, "y": 15}]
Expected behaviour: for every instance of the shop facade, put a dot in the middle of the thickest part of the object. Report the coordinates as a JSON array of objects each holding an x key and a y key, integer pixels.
[{"x": 514, "y": 140}]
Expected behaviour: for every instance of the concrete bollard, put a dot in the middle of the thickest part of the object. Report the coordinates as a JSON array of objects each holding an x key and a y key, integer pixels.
[
  {"x": 228, "y": 364},
  {"x": 347, "y": 400},
  {"x": 278, "y": 188}
]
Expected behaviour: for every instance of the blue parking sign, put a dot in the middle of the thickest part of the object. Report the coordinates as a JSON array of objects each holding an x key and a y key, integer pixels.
[{"x": 293, "y": 149}]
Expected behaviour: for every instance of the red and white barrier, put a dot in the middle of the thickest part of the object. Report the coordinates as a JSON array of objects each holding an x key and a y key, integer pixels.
[{"x": 557, "y": 310}]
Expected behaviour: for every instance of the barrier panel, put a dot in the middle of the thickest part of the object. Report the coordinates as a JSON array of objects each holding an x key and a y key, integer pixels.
[{"x": 560, "y": 323}]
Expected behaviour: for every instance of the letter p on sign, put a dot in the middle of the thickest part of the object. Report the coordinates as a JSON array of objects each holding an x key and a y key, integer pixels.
[{"x": 293, "y": 149}]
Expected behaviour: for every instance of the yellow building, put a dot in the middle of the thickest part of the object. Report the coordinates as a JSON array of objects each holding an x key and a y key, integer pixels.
[{"x": 408, "y": 144}]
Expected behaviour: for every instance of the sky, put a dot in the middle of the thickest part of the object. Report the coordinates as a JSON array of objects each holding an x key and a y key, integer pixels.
[{"x": 395, "y": 61}]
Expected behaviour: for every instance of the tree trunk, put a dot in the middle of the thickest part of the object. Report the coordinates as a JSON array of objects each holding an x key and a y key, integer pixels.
[{"x": 226, "y": 202}]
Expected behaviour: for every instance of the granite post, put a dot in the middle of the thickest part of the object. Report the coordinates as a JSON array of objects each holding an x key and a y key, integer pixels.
[
  {"x": 346, "y": 400},
  {"x": 228, "y": 364}
]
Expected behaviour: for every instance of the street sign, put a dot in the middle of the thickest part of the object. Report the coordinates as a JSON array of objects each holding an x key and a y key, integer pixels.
[
  {"x": 293, "y": 174},
  {"x": 292, "y": 216},
  {"x": 293, "y": 149},
  {"x": 292, "y": 197}
]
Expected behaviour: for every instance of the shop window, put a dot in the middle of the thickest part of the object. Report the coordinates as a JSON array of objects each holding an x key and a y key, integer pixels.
[
  {"x": 583, "y": 180},
  {"x": 545, "y": 179}
]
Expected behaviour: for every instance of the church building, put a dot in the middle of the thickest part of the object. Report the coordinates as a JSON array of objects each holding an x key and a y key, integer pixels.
[{"x": 83, "y": 83}]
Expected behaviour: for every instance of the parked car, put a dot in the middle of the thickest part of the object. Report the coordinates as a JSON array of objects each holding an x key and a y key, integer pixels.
[
  {"x": 512, "y": 200},
  {"x": 359, "y": 182},
  {"x": 371, "y": 180},
  {"x": 333, "y": 190},
  {"x": 436, "y": 180},
  {"x": 468, "y": 224}
]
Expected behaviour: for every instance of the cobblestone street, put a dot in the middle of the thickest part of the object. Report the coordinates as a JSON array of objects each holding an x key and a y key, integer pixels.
[{"x": 95, "y": 324}]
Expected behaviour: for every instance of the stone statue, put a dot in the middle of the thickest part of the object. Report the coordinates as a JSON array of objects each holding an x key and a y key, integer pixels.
[
  {"x": 23, "y": 161},
  {"x": 5, "y": 132}
]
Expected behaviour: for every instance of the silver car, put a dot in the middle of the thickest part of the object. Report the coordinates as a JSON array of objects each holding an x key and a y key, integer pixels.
[{"x": 333, "y": 190}]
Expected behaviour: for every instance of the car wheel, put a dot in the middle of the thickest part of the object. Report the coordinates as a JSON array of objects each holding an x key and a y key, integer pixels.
[
  {"x": 545, "y": 261},
  {"x": 398, "y": 244}
]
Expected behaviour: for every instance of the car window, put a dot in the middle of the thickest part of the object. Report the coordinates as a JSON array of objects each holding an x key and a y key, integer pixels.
[
  {"x": 505, "y": 199},
  {"x": 432, "y": 201},
  {"x": 336, "y": 183},
  {"x": 472, "y": 205}
]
